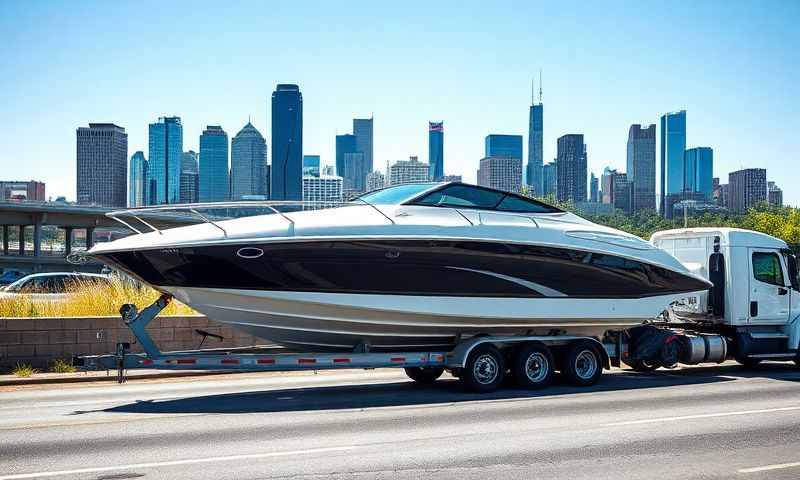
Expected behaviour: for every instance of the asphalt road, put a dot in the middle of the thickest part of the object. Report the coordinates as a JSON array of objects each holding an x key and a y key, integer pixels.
[{"x": 709, "y": 422}]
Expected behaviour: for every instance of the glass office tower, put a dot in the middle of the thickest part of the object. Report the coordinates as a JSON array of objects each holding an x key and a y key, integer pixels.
[
  {"x": 164, "y": 166},
  {"x": 673, "y": 145},
  {"x": 436, "y": 150},
  {"x": 286, "y": 173},
  {"x": 214, "y": 183}
]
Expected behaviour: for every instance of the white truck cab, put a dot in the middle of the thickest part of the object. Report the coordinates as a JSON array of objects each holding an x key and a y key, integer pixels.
[{"x": 756, "y": 292}]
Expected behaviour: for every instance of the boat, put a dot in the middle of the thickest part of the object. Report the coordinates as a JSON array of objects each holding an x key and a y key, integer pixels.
[{"x": 408, "y": 267}]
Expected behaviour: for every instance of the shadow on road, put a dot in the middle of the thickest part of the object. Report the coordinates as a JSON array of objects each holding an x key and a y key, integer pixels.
[{"x": 446, "y": 390}]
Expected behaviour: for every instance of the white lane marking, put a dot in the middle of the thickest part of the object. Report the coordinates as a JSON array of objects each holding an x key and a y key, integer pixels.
[
  {"x": 191, "y": 461},
  {"x": 766, "y": 468},
  {"x": 702, "y": 415}
]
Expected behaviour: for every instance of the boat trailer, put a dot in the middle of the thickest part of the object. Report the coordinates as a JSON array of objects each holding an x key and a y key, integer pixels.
[{"x": 421, "y": 366}]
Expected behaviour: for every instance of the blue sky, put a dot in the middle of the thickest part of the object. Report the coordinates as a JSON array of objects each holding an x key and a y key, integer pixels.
[{"x": 732, "y": 65}]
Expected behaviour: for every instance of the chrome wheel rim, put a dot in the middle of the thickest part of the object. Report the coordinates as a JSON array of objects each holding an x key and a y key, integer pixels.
[
  {"x": 536, "y": 367},
  {"x": 585, "y": 364},
  {"x": 485, "y": 369}
]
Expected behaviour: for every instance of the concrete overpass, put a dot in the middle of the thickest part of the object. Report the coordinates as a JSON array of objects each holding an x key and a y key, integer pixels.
[{"x": 21, "y": 216}]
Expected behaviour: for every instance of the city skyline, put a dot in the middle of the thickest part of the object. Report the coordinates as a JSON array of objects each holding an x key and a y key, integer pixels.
[{"x": 588, "y": 96}]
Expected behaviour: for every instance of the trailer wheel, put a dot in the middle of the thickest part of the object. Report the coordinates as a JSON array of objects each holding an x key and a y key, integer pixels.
[
  {"x": 533, "y": 366},
  {"x": 424, "y": 375},
  {"x": 484, "y": 369},
  {"x": 748, "y": 362},
  {"x": 583, "y": 364}
]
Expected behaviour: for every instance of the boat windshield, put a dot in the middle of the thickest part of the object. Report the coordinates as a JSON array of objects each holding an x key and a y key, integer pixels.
[
  {"x": 470, "y": 196},
  {"x": 397, "y": 194}
]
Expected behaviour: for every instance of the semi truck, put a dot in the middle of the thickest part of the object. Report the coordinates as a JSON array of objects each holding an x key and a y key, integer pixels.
[{"x": 750, "y": 314}]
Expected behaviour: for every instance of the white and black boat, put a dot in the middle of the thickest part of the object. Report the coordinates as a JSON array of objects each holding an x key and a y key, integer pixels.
[{"x": 409, "y": 267}]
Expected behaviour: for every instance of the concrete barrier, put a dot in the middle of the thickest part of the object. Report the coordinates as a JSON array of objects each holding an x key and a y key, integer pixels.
[{"x": 40, "y": 341}]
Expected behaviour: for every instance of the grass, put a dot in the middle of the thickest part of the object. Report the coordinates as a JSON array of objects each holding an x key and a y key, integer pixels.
[
  {"x": 62, "y": 366},
  {"x": 89, "y": 299},
  {"x": 24, "y": 370}
]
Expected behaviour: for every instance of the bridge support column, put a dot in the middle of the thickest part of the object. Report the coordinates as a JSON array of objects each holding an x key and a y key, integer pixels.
[
  {"x": 22, "y": 239},
  {"x": 67, "y": 241},
  {"x": 89, "y": 237},
  {"x": 5, "y": 239},
  {"x": 37, "y": 237}
]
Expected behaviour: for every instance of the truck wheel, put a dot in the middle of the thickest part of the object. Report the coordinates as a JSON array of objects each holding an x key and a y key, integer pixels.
[
  {"x": 424, "y": 375},
  {"x": 583, "y": 364},
  {"x": 642, "y": 366},
  {"x": 533, "y": 366},
  {"x": 484, "y": 369}
]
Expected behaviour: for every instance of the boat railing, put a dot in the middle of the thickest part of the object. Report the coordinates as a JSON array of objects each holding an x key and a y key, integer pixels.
[{"x": 163, "y": 217}]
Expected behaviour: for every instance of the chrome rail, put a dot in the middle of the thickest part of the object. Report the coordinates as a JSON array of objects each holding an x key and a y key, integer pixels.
[{"x": 167, "y": 213}]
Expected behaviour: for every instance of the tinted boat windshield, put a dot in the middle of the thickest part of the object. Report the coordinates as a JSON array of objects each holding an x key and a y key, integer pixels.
[
  {"x": 395, "y": 195},
  {"x": 470, "y": 196}
]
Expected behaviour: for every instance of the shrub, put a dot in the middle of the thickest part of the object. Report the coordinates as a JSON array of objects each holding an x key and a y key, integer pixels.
[
  {"x": 24, "y": 370},
  {"x": 62, "y": 366}
]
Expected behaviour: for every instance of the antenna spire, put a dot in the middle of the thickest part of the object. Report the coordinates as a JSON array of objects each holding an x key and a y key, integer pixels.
[
  {"x": 533, "y": 90},
  {"x": 540, "y": 85}
]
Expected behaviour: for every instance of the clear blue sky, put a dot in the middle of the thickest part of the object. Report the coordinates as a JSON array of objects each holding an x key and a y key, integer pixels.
[{"x": 732, "y": 65}]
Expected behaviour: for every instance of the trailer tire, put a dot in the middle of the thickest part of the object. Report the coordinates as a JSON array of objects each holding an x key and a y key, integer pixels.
[
  {"x": 424, "y": 375},
  {"x": 583, "y": 364},
  {"x": 748, "y": 362},
  {"x": 484, "y": 369},
  {"x": 533, "y": 366}
]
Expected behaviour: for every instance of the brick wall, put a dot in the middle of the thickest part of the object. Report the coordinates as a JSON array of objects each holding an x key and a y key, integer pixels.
[{"x": 39, "y": 341}]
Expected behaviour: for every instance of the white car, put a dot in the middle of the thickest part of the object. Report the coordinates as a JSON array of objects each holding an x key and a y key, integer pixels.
[{"x": 49, "y": 286}]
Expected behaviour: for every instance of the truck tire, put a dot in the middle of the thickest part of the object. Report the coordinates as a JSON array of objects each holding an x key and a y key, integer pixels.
[
  {"x": 642, "y": 366},
  {"x": 484, "y": 369},
  {"x": 583, "y": 364},
  {"x": 533, "y": 366},
  {"x": 424, "y": 375}
]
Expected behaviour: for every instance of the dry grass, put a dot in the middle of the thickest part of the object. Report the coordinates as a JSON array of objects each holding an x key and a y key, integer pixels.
[
  {"x": 89, "y": 299},
  {"x": 24, "y": 370},
  {"x": 62, "y": 366}
]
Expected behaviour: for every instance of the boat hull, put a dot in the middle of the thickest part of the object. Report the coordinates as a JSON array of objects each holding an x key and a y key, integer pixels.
[{"x": 307, "y": 321}]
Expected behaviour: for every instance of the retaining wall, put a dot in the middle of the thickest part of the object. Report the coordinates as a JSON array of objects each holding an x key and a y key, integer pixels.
[{"x": 40, "y": 341}]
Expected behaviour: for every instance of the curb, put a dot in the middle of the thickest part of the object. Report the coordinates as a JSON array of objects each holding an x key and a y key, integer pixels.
[{"x": 112, "y": 377}]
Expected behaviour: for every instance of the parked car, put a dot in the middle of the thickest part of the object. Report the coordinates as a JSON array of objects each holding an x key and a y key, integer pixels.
[
  {"x": 10, "y": 276},
  {"x": 49, "y": 286}
]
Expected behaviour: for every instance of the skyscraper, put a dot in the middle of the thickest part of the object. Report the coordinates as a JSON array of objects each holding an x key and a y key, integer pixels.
[
  {"x": 375, "y": 181},
  {"x": 137, "y": 190},
  {"x": 698, "y": 171},
  {"x": 353, "y": 176},
  {"x": 641, "y": 165},
  {"x": 436, "y": 150},
  {"x": 747, "y": 188},
  {"x": 164, "y": 165},
  {"x": 593, "y": 188},
  {"x": 311, "y": 165},
  {"x": 344, "y": 144},
  {"x": 571, "y": 169},
  {"x": 102, "y": 161},
  {"x": 549, "y": 179},
  {"x": 190, "y": 177},
  {"x": 535, "y": 144},
  {"x": 214, "y": 182},
  {"x": 501, "y": 172},
  {"x": 286, "y": 174},
  {"x": 362, "y": 129},
  {"x": 322, "y": 189},
  {"x": 408, "y": 171},
  {"x": 248, "y": 164},
  {"x": 673, "y": 145},
  {"x": 503, "y": 146},
  {"x": 774, "y": 195}
]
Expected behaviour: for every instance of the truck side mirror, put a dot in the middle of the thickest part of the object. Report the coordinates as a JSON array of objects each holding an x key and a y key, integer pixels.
[{"x": 791, "y": 260}]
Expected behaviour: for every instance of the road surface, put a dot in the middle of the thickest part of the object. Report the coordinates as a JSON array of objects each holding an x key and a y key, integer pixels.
[{"x": 707, "y": 422}]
